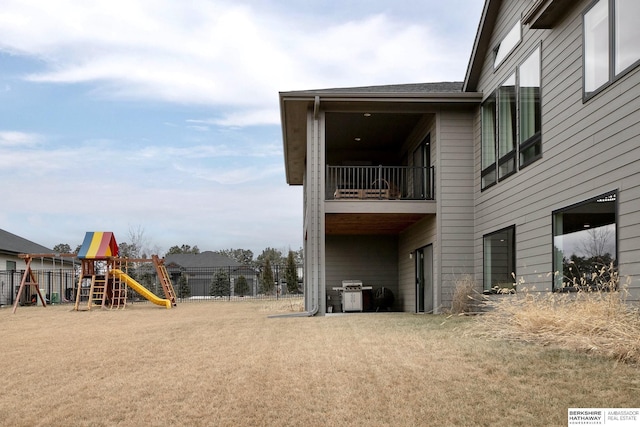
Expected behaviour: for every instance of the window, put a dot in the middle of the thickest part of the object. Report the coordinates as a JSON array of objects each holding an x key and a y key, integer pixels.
[
  {"x": 596, "y": 46},
  {"x": 627, "y": 34},
  {"x": 507, "y": 127},
  {"x": 11, "y": 266},
  {"x": 507, "y": 44},
  {"x": 584, "y": 241},
  {"x": 610, "y": 41},
  {"x": 530, "y": 113},
  {"x": 489, "y": 141},
  {"x": 511, "y": 123},
  {"x": 499, "y": 260}
]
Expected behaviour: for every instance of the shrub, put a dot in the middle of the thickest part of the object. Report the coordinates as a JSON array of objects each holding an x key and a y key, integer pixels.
[
  {"x": 220, "y": 284},
  {"x": 242, "y": 286},
  {"x": 596, "y": 321},
  {"x": 464, "y": 300}
]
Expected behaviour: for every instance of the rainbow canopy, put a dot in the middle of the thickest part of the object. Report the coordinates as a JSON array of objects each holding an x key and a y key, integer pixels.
[{"x": 98, "y": 245}]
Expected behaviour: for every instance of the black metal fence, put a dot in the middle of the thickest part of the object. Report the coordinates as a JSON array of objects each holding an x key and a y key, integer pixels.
[
  {"x": 57, "y": 285},
  {"x": 190, "y": 284}
]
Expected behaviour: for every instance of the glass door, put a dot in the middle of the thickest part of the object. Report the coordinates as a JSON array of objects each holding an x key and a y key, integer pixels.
[
  {"x": 421, "y": 163},
  {"x": 424, "y": 279}
]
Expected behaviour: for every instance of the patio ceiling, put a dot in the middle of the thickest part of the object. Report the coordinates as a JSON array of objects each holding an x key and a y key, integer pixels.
[
  {"x": 369, "y": 223},
  {"x": 369, "y": 131}
]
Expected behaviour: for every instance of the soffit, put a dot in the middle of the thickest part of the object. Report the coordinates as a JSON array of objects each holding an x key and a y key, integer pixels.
[
  {"x": 545, "y": 14},
  {"x": 369, "y": 223}
]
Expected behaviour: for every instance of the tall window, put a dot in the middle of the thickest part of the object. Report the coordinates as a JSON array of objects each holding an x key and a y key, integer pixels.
[
  {"x": 611, "y": 35},
  {"x": 489, "y": 141},
  {"x": 530, "y": 113},
  {"x": 499, "y": 260},
  {"x": 627, "y": 34},
  {"x": 511, "y": 123},
  {"x": 507, "y": 127},
  {"x": 584, "y": 242}
]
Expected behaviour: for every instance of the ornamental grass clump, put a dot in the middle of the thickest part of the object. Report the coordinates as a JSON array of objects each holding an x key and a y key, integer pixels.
[
  {"x": 590, "y": 319},
  {"x": 465, "y": 299}
]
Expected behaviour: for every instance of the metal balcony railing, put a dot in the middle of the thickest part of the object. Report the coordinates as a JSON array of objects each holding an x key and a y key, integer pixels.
[{"x": 380, "y": 182}]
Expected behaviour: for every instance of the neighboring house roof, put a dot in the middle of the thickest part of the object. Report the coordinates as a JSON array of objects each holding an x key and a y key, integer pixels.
[
  {"x": 98, "y": 245},
  {"x": 14, "y": 245},
  {"x": 202, "y": 260}
]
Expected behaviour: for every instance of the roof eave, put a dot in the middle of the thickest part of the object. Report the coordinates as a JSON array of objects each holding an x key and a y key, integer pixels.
[
  {"x": 480, "y": 45},
  {"x": 545, "y": 14}
]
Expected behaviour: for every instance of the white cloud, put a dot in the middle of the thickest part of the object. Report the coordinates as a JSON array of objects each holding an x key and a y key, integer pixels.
[
  {"x": 248, "y": 117},
  {"x": 215, "y": 180},
  {"x": 15, "y": 138},
  {"x": 216, "y": 53}
]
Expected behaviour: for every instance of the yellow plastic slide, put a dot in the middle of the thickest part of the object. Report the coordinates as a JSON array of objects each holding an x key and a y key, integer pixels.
[{"x": 140, "y": 289}]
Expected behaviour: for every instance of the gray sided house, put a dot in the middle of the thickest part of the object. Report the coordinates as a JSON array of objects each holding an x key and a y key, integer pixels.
[
  {"x": 528, "y": 167},
  {"x": 200, "y": 270},
  {"x": 55, "y": 275},
  {"x": 11, "y": 246}
]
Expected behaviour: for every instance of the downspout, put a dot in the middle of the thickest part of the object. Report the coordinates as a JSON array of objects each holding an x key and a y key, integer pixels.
[{"x": 316, "y": 137}]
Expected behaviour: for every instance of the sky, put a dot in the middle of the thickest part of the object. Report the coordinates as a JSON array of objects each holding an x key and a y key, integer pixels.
[{"x": 162, "y": 116}]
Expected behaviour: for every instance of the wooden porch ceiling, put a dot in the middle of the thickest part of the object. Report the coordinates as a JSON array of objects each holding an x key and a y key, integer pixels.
[{"x": 369, "y": 223}]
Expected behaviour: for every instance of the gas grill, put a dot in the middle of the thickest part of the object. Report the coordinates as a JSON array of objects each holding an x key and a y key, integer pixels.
[{"x": 351, "y": 291}]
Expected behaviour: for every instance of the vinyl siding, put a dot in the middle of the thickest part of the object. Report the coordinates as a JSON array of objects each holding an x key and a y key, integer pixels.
[
  {"x": 587, "y": 149},
  {"x": 454, "y": 193}
]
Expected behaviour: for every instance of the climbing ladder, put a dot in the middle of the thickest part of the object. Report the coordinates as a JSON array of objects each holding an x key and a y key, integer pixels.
[
  {"x": 98, "y": 291},
  {"x": 95, "y": 292},
  {"x": 118, "y": 289},
  {"x": 165, "y": 280}
]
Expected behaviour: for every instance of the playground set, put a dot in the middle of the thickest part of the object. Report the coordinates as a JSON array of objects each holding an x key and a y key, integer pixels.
[{"x": 103, "y": 281}]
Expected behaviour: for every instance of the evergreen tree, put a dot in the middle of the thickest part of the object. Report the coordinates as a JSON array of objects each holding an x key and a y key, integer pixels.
[
  {"x": 267, "y": 277},
  {"x": 291, "y": 274},
  {"x": 184, "y": 290},
  {"x": 242, "y": 286},
  {"x": 220, "y": 284}
]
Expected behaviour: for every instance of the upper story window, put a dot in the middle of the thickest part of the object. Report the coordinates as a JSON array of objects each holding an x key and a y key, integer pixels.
[
  {"x": 529, "y": 107},
  {"x": 611, "y": 45},
  {"x": 507, "y": 127},
  {"x": 511, "y": 123},
  {"x": 507, "y": 44}
]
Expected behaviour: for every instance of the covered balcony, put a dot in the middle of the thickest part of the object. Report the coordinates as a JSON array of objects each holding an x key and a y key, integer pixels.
[{"x": 379, "y": 183}]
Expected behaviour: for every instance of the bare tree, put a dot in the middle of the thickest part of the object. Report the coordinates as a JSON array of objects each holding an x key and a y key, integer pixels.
[
  {"x": 598, "y": 242},
  {"x": 137, "y": 242}
]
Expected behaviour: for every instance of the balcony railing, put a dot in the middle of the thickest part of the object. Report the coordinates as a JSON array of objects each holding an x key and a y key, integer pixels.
[{"x": 380, "y": 182}]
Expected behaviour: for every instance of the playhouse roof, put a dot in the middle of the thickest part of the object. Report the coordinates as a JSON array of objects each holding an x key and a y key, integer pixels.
[{"x": 98, "y": 245}]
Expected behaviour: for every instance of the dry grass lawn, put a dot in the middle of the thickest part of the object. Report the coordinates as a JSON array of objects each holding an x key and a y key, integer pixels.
[{"x": 229, "y": 364}]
